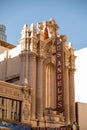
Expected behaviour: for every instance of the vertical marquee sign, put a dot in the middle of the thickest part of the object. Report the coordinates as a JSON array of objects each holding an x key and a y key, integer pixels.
[{"x": 59, "y": 74}]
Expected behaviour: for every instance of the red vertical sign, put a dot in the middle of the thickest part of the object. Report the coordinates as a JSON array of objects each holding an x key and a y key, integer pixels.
[{"x": 59, "y": 75}]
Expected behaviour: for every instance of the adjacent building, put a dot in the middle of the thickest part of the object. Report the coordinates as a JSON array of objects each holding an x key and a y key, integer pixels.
[
  {"x": 39, "y": 78},
  {"x": 80, "y": 75},
  {"x": 80, "y": 87},
  {"x": 81, "y": 110},
  {"x": 3, "y": 36}
]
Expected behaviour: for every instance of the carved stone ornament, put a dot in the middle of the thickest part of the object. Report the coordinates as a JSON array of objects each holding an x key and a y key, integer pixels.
[
  {"x": 27, "y": 93},
  {"x": 26, "y": 111},
  {"x": 73, "y": 62},
  {"x": 51, "y": 25},
  {"x": 67, "y": 63}
]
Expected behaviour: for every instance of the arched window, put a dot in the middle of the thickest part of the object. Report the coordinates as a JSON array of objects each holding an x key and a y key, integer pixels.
[{"x": 50, "y": 86}]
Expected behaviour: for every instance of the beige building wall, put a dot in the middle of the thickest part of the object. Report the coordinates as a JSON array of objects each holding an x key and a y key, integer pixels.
[
  {"x": 81, "y": 115},
  {"x": 10, "y": 64}
]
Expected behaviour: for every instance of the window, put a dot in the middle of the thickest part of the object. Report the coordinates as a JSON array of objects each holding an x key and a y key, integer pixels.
[{"x": 10, "y": 109}]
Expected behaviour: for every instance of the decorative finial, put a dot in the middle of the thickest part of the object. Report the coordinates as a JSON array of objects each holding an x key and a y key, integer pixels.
[
  {"x": 25, "y": 26},
  {"x": 24, "y": 32},
  {"x": 32, "y": 27},
  {"x": 33, "y": 30}
]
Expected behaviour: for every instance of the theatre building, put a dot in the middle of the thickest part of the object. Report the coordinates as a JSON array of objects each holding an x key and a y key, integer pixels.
[{"x": 37, "y": 79}]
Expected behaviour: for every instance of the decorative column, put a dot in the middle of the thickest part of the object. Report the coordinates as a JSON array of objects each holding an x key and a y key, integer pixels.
[
  {"x": 32, "y": 68},
  {"x": 22, "y": 68},
  {"x": 39, "y": 98},
  {"x": 66, "y": 95},
  {"x": 66, "y": 79},
  {"x": 71, "y": 85},
  {"x": 32, "y": 81},
  {"x": 25, "y": 44}
]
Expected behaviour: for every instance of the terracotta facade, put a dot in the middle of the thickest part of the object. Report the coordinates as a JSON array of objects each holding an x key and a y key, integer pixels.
[{"x": 31, "y": 70}]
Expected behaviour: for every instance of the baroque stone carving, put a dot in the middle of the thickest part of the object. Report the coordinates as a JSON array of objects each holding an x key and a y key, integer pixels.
[
  {"x": 52, "y": 27},
  {"x": 26, "y": 92},
  {"x": 26, "y": 112},
  {"x": 67, "y": 62}
]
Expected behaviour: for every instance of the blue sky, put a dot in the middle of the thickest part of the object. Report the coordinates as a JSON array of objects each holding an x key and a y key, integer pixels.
[{"x": 70, "y": 15}]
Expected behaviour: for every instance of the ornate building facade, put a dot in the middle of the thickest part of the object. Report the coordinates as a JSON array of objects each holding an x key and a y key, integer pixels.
[{"x": 40, "y": 71}]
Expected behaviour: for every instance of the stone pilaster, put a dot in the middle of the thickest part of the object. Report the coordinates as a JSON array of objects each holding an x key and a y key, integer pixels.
[
  {"x": 27, "y": 69},
  {"x": 32, "y": 83},
  {"x": 66, "y": 78},
  {"x": 71, "y": 84},
  {"x": 22, "y": 69},
  {"x": 39, "y": 97},
  {"x": 66, "y": 89},
  {"x": 66, "y": 96},
  {"x": 24, "y": 56},
  {"x": 53, "y": 86},
  {"x": 72, "y": 97}
]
